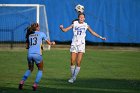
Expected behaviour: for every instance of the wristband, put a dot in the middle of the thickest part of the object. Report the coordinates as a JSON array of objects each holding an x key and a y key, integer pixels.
[{"x": 100, "y": 37}]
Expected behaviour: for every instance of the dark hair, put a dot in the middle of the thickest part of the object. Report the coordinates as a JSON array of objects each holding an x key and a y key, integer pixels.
[
  {"x": 34, "y": 26},
  {"x": 81, "y": 14},
  {"x": 31, "y": 30}
]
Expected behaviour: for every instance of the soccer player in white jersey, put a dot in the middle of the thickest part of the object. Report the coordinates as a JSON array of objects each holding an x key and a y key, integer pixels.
[
  {"x": 34, "y": 41},
  {"x": 78, "y": 43}
]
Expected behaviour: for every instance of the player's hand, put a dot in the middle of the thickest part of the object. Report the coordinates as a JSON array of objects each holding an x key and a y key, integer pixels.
[
  {"x": 61, "y": 26},
  {"x": 103, "y": 38},
  {"x": 53, "y": 43}
]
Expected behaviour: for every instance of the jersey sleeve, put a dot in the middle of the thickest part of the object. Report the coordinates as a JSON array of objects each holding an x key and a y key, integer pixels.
[
  {"x": 87, "y": 25},
  {"x": 44, "y": 37}
]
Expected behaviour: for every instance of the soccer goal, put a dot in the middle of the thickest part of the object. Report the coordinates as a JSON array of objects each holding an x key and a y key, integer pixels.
[{"x": 14, "y": 18}]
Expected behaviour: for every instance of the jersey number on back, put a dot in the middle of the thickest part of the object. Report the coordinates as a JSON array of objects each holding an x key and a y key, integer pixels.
[{"x": 33, "y": 41}]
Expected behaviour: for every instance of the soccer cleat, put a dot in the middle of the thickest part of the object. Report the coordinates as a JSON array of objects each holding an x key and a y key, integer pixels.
[
  {"x": 71, "y": 80},
  {"x": 20, "y": 87},
  {"x": 34, "y": 87}
]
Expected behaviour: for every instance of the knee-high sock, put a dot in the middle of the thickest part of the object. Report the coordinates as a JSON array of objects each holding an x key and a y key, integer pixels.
[
  {"x": 77, "y": 69},
  {"x": 26, "y": 75},
  {"x": 72, "y": 68},
  {"x": 38, "y": 76}
]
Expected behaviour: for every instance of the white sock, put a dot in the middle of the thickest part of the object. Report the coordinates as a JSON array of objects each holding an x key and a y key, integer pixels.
[
  {"x": 77, "y": 69},
  {"x": 72, "y": 68}
]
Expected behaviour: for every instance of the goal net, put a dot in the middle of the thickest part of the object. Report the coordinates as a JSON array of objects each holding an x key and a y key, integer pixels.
[{"x": 14, "y": 18}]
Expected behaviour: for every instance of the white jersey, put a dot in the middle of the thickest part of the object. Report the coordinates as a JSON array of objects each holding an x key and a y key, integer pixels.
[{"x": 79, "y": 31}]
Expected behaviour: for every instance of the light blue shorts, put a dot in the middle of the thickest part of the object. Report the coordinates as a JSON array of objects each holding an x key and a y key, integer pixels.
[{"x": 34, "y": 58}]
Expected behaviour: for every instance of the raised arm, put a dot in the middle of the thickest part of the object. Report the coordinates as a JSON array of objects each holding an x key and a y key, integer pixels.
[
  {"x": 66, "y": 29},
  {"x": 95, "y": 34}
]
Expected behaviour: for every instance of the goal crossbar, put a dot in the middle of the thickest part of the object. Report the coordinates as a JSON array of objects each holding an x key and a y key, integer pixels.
[
  {"x": 25, "y": 5},
  {"x": 22, "y": 5}
]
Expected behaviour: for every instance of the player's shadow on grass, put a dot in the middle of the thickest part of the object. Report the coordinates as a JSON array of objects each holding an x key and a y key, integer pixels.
[
  {"x": 80, "y": 86},
  {"x": 98, "y": 85}
]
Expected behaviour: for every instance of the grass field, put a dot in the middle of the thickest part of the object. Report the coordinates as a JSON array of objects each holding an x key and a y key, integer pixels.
[{"x": 102, "y": 71}]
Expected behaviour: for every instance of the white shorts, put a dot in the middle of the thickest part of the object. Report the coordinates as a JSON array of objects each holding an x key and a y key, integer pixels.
[{"x": 77, "y": 48}]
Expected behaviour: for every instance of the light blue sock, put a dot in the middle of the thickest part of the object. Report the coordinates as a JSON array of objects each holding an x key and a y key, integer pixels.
[
  {"x": 38, "y": 76},
  {"x": 26, "y": 75}
]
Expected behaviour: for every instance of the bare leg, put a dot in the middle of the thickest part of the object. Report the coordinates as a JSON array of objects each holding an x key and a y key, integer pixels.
[
  {"x": 73, "y": 60},
  {"x": 78, "y": 62},
  {"x": 78, "y": 59}
]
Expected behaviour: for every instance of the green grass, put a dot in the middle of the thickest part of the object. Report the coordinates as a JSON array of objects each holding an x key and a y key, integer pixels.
[{"x": 101, "y": 72}]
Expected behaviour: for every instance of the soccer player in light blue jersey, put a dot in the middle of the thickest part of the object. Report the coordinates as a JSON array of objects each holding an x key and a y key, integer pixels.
[{"x": 34, "y": 40}]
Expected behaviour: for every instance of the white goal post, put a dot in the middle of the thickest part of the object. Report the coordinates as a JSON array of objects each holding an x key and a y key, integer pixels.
[{"x": 39, "y": 12}]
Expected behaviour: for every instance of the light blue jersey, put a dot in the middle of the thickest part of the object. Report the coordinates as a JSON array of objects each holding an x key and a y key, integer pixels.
[{"x": 35, "y": 42}]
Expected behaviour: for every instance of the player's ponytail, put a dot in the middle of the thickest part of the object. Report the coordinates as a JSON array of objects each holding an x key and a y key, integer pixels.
[
  {"x": 31, "y": 29},
  {"x": 34, "y": 26}
]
